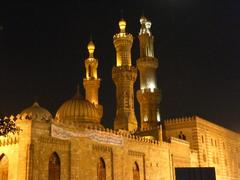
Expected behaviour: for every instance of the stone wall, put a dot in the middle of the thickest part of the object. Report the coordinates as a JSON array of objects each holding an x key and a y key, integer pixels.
[
  {"x": 79, "y": 157},
  {"x": 205, "y": 145},
  {"x": 216, "y": 146}
]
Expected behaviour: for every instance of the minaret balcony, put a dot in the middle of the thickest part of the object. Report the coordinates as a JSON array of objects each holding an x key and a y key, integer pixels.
[
  {"x": 147, "y": 62},
  {"x": 150, "y": 90},
  {"x": 149, "y": 95}
]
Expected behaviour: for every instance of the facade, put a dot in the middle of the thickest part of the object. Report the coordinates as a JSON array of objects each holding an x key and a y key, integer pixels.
[{"x": 75, "y": 145}]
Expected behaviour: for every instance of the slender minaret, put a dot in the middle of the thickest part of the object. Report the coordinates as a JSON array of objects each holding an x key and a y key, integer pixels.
[
  {"x": 91, "y": 82},
  {"x": 149, "y": 95},
  {"x": 124, "y": 75}
]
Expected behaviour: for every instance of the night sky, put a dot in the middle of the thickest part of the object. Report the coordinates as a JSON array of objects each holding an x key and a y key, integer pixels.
[{"x": 197, "y": 42}]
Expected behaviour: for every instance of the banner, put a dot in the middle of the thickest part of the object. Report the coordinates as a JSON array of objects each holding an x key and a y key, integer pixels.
[{"x": 98, "y": 136}]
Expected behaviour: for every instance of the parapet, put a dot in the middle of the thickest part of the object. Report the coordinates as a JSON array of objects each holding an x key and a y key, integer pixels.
[
  {"x": 9, "y": 140},
  {"x": 180, "y": 120},
  {"x": 147, "y": 62},
  {"x": 174, "y": 139},
  {"x": 159, "y": 127},
  {"x": 126, "y": 134}
]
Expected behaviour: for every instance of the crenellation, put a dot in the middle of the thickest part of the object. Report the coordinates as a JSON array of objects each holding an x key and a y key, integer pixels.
[
  {"x": 180, "y": 120},
  {"x": 9, "y": 140}
]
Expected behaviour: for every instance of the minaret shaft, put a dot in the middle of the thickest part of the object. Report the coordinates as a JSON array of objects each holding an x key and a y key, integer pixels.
[
  {"x": 91, "y": 89},
  {"x": 91, "y": 82},
  {"x": 123, "y": 52},
  {"x": 149, "y": 95},
  {"x": 146, "y": 45},
  {"x": 149, "y": 108},
  {"x": 124, "y": 75}
]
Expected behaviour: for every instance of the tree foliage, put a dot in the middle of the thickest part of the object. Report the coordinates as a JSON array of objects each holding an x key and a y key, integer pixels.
[{"x": 7, "y": 126}]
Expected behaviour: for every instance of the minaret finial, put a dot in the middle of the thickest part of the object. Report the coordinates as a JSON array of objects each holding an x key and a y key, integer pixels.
[
  {"x": 122, "y": 23},
  {"x": 35, "y": 103},
  {"x": 121, "y": 14},
  {"x": 145, "y": 26},
  {"x": 91, "y": 48},
  {"x": 77, "y": 94},
  {"x": 78, "y": 90},
  {"x": 35, "y": 98},
  {"x": 90, "y": 36}
]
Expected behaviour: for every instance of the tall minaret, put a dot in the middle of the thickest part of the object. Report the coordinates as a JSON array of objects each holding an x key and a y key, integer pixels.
[
  {"x": 149, "y": 95},
  {"x": 124, "y": 75},
  {"x": 91, "y": 82}
]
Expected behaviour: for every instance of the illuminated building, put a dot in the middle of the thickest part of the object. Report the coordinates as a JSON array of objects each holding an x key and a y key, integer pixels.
[{"x": 74, "y": 144}]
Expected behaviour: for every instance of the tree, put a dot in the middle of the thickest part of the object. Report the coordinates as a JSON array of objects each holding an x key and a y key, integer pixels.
[{"x": 7, "y": 126}]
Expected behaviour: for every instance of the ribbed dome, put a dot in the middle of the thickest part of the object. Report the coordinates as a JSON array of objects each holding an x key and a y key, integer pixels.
[
  {"x": 77, "y": 111},
  {"x": 36, "y": 113}
]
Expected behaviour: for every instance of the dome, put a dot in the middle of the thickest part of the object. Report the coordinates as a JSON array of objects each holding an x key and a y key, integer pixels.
[
  {"x": 36, "y": 113},
  {"x": 77, "y": 112}
]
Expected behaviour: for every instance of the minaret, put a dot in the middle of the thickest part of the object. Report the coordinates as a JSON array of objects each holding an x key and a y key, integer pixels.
[
  {"x": 124, "y": 75},
  {"x": 149, "y": 95},
  {"x": 91, "y": 82}
]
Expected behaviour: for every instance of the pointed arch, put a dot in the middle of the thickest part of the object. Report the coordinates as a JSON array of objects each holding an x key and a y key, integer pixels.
[
  {"x": 101, "y": 169},
  {"x": 136, "y": 172},
  {"x": 3, "y": 167},
  {"x": 54, "y": 167}
]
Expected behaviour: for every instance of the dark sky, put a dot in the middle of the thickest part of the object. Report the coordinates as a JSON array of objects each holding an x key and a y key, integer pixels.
[{"x": 197, "y": 42}]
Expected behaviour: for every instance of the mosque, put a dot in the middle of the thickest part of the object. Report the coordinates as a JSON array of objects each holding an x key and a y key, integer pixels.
[{"x": 74, "y": 144}]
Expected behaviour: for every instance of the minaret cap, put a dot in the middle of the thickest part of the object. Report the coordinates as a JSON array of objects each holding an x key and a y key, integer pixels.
[
  {"x": 122, "y": 25},
  {"x": 145, "y": 26},
  {"x": 143, "y": 19},
  {"x": 91, "y": 48}
]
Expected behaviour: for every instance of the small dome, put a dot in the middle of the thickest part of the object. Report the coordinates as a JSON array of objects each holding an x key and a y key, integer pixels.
[
  {"x": 77, "y": 112},
  {"x": 36, "y": 113}
]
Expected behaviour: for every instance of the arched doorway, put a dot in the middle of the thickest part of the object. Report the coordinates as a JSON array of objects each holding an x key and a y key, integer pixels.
[
  {"x": 101, "y": 169},
  {"x": 136, "y": 173},
  {"x": 3, "y": 167},
  {"x": 54, "y": 167}
]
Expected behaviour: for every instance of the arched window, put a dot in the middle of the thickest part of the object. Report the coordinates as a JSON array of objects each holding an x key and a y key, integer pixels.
[
  {"x": 101, "y": 169},
  {"x": 202, "y": 139},
  {"x": 89, "y": 71},
  {"x": 54, "y": 167},
  {"x": 136, "y": 173},
  {"x": 3, "y": 167},
  {"x": 204, "y": 156}
]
